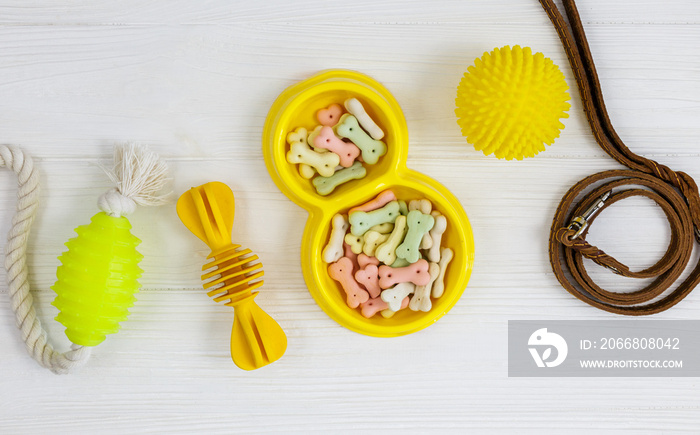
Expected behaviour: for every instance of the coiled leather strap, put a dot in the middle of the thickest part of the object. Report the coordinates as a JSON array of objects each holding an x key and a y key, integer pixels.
[{"x": 675, "y": 192}]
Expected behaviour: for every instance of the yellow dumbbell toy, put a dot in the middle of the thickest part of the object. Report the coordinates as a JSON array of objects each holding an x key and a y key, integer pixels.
[{"x": 232, "y": 275}]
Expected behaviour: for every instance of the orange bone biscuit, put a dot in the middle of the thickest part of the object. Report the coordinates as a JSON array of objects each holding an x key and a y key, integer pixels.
[
  {"x": 364, "y": 259},
  {"x": 347, "y": 151},
  {"x": 373, "y": 306},
  {"x": 341, "y": 271},
  {"x": 352, "y": 256},
  {"x": 416, "y": 273},
  {"x": 369, "y": 278},
  {"x": 330, "y": 115},
  {"x": 379, "y": 201}
]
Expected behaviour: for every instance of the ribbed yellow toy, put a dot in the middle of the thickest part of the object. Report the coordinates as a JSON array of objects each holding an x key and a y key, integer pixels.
[
  {"x": 97, "y": 279},
  {"x": 510, "y": 101}
]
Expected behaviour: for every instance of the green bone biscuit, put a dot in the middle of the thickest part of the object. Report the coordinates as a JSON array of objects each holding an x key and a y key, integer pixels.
[
  {"x": 403, "y": 208},
  {"x": 372, "y": 149},
  {"x": 400, "y": 262},
  {"x": 326, "y": 185},
  {"x": 418, "y": 224},
  {"x": 386, "y": 252},
  {"x": 361, "y": 221}
]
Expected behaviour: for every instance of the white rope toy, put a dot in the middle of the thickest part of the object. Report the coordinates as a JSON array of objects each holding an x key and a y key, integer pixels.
[{"x": 138, "y": 175}]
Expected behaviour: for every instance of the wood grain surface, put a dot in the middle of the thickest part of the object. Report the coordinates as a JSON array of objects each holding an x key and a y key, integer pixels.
[{"x": 195, "y": 80}]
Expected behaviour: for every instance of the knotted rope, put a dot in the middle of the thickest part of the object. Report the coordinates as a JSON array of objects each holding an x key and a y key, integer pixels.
[
  {"x": 21, "y": 300},
  {"x": 138, "y": 174}
]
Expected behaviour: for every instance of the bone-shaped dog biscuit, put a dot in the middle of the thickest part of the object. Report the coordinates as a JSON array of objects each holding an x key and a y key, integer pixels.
[
  {"x": 330, "y": 115},
  {"x": 426, "y": 242},
  {"x": 327, "y": 139},
  {"x": 340, "y": 121},
  {"x": 372, "y": 240},
  {"x": 386, "y": 252},
  {"x": 395, "y": 295},
  {"x": 296, "y": 136},
  {"x": 425, "y": 207},
  {"x": 352, "y": 256},
  {"x": 354, "y": 106},
  {"x": 400, "y": 262},
  {"x": 361, "y": 222},
  {"x": 378, "y": 202},
  {"x": 363, "y": 260},
  {"x": 436, "y": 233},
  {"x": 420, "y": 301},
  {"x": 416, "y": 273},
  {"x": 341, "y": 271},
  {"x": 324, "y": 164},
  {"x": 373, "y": 306},
  {"x": 293, "y": 137},
  {"x": 300, "y": 136},
  {"x": 334, "y": 249},
  {"x": 312, "y": 137},
  {"x": 306, "y": 171},
  {"x": 385, "y": 228},
  {"x": 389, "y": 313},
  {"x": 326, "y": 185},
  {"x": 418, "y": 224},
  {"x": 439, "y": 284},
  {"x": 355, "y": 242},
  {"x": 369, "y": 278},
  {"x": 403, "y": 207},
  {"x": 372, "y": 149}
]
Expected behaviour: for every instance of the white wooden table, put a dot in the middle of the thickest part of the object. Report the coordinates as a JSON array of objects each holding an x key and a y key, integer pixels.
[{"x": 195, "y": 81}]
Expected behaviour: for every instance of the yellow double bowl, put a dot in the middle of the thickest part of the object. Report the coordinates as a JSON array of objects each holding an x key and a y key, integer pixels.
[{"x": 297, "y": 107}]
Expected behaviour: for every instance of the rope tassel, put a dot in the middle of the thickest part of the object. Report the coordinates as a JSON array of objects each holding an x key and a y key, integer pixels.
[{"x": 98, "y": 275}]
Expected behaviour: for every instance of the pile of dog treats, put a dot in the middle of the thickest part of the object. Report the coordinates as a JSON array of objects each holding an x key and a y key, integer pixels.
[
  {"x": 336, "y": 149},
  {"x": 387, "y": 255}
]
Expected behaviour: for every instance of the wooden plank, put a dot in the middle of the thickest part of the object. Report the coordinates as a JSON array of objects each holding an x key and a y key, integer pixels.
[
  {"x": 195, "y": 91},
  {"x": 82, "y": 12}
]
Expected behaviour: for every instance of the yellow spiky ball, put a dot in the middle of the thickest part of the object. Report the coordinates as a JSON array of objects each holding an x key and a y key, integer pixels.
[{"x": 510, "y": 101}]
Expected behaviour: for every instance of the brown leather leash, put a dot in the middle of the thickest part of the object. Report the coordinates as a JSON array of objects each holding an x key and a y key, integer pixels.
[{"x": 675, "y": 192}]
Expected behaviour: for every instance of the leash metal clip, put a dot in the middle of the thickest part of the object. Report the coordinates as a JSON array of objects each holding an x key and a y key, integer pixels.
[{"x": 580, "y": 223}]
